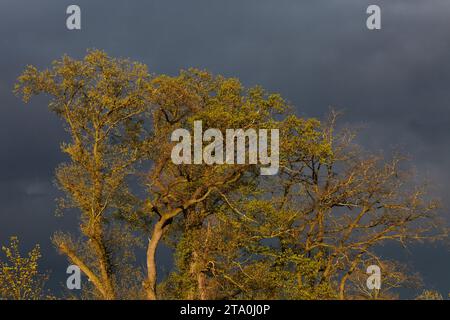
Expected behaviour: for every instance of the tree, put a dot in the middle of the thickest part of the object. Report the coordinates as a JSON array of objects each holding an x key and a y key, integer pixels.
[
  {"x": 20, "y": 278},
  {"x": 181, "y": 192},
  {"x": 301, "y": 234},
  {"x": 429, "y": 295},
  {"x": 98, "y": 99},
  {"x": 307, "y": 232},
  {"x": 393, "y": 276}
]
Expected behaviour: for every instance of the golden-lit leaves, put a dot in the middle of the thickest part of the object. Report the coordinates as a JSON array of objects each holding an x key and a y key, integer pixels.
[
  {"x": 298, "y": 235},
  {"x": 20, "y": 278}
]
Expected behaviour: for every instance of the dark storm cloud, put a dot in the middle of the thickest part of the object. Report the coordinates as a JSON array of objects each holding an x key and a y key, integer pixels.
[{"x": 316, "y": 53}]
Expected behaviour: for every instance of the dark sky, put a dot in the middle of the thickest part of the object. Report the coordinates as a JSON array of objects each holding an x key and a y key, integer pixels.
[{"x": 317, "y": 54}]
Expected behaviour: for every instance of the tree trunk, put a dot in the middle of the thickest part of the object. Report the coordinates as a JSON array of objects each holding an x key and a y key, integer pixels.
[
  {"x": 150, "y": 286},
  {"x": 104, "y": 264},
  {"x": 202, "y": 286}
]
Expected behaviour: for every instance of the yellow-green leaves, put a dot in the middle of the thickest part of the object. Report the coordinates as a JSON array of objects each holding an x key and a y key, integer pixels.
[{"x": 20, "y": 278}]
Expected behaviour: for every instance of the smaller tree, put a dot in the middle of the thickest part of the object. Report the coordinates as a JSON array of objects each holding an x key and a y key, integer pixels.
[
  {"x": 429, "y": 295},
  {"x": 20, "y": 278}
]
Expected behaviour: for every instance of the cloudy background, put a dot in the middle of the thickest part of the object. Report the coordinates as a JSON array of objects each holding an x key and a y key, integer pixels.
[{"x": 317, "y": 54}]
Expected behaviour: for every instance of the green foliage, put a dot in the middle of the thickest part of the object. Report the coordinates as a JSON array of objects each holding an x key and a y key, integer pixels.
[
  {"x": 304, "y": 234},
  {"x": 20, "y": 278},
  {"x": 430, "y": 295}
]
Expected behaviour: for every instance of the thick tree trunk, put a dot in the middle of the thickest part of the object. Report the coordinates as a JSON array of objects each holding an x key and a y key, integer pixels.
[
  {"x": 200, "y": 291},
  {"x": 105, "y": 270},
  {"x": 150, "y": 286}
]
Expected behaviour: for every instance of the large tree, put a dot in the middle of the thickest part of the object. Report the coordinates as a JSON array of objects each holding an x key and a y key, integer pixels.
[
  {"x": 309, "y": 231},
  {"x": 303, "y": 233},
  {"x": 99, "y": 99}
]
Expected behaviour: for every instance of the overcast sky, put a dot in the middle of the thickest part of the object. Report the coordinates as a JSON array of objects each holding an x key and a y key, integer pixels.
[{"x": 317, "y": 54}]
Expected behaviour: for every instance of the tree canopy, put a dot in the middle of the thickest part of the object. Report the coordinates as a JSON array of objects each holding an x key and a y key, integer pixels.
[{"x": 308, "y": 232}]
